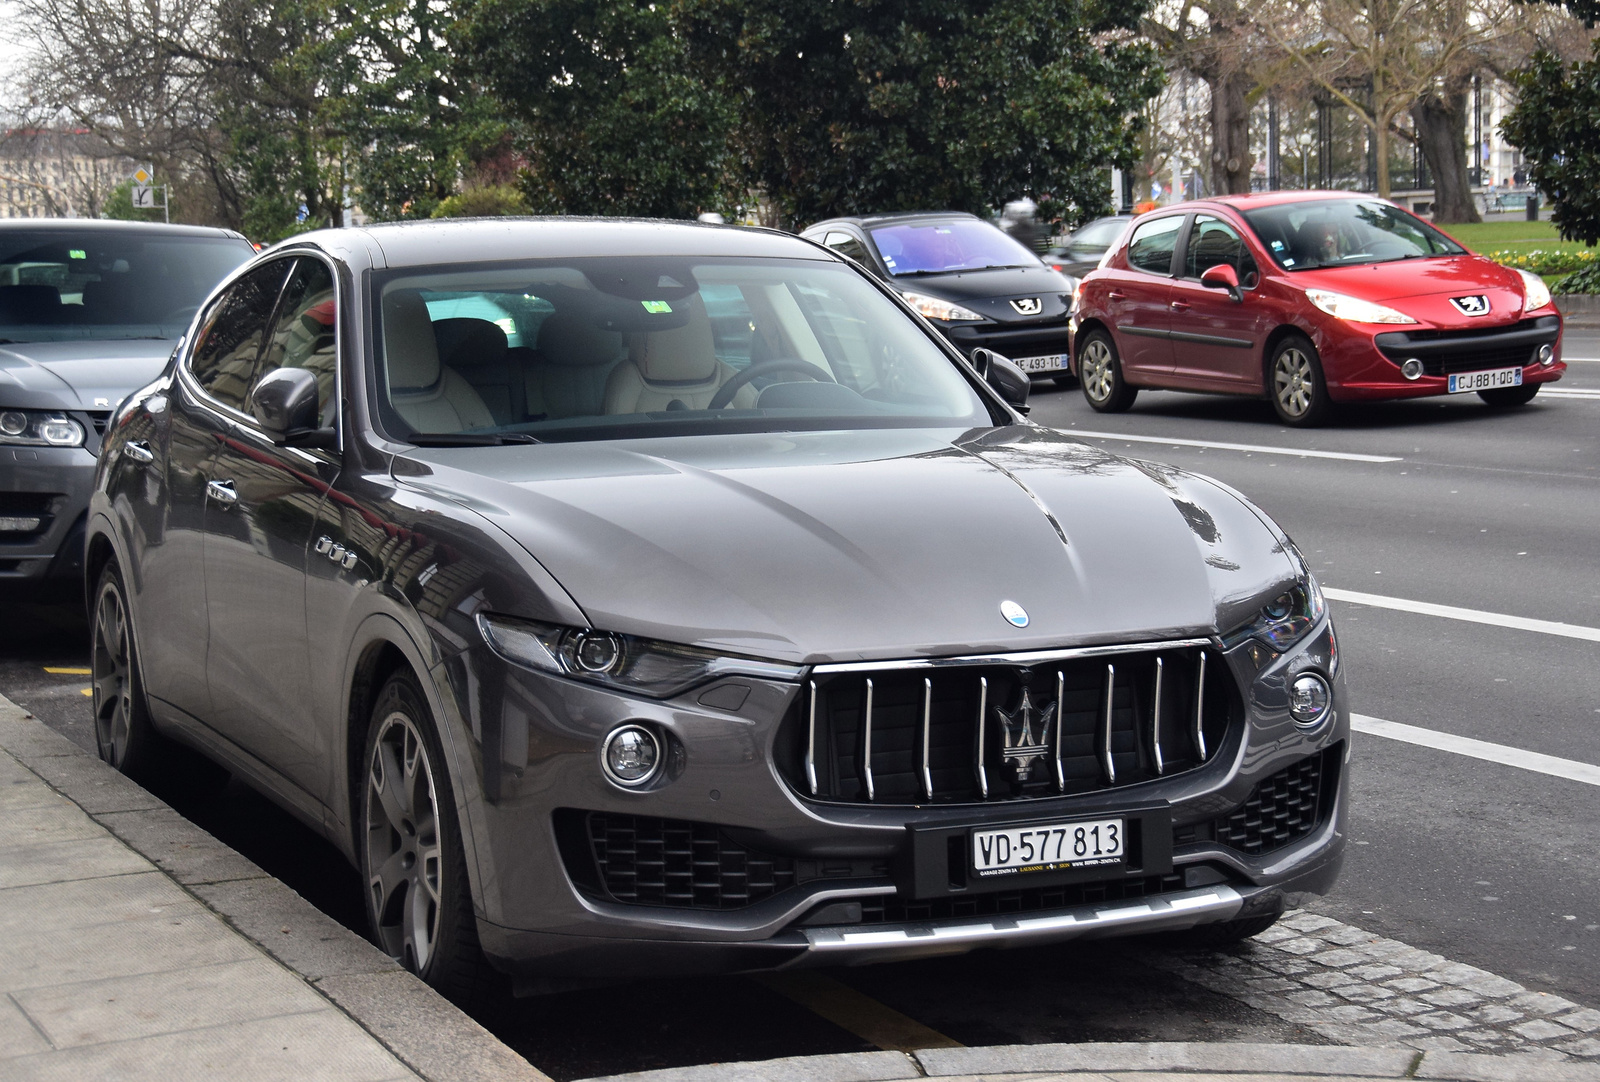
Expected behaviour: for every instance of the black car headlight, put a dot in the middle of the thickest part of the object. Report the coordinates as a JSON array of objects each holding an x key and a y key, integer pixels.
[
  {"x": 40, "y": 428},
  {"x": 1284, "y": 620},
  {"x": 625, "y": 662}
]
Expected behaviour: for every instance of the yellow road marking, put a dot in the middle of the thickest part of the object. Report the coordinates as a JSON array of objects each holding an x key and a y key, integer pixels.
[
  {"x": 68, "y": 672},
  {"x": 86, "y": 691},
  {"x": 853, "y": 1011}
]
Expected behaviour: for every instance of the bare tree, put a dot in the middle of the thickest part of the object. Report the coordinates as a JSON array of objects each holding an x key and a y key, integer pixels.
[{"x": 1217, "y": 41}]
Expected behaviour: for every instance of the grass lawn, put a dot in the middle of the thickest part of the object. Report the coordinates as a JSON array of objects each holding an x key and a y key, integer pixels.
[{"x": 1511, "y": 237}]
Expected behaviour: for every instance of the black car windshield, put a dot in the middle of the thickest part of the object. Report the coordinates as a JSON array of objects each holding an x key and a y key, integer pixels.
[
  {"x": 944, "y": 247},
  {"x": 609, "y": 348},
  {"x": 1344, "y": 233},
  {"x": 60, "y": 283},
  {"x": 1101, "y": 233}
]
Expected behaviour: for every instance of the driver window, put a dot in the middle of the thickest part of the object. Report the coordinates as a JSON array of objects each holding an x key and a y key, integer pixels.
[
  {"x": 1212, "y": 242},
  {"x": 225, "y": 350},
  {"x": 303, "y": 335},
  {"x": 1150, "y": 248}
]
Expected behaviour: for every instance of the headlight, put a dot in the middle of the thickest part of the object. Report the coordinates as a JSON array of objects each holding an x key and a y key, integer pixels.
[
  {"x": 934, "y": 308},
  {"x": 646, "y": 666},
  {"x": 1536, "y": 294},
  {"x": 1284, "y": 620},
  {"x": 1354, "y": 309},
  {"x": 40, "y": 428}
]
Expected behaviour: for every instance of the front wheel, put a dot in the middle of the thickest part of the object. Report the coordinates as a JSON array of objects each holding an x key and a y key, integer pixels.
[
  {"x": 1505, "y": 397},
  {"x": 122, "y": 730},
  {"x": 1294, "y": 380},
  {"x": 1100, "y": 375},
  {"x": 419, "y": 902}
]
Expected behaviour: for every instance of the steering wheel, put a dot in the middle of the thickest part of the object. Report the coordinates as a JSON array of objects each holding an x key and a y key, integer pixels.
[{"x": 726, "y": 392}]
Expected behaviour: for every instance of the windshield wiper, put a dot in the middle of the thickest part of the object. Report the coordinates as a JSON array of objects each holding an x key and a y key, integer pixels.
[{"x": 468, "y": 439}]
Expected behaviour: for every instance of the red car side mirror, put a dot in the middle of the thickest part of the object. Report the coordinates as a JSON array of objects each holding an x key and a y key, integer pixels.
[{"x": 1223, "y": 276}]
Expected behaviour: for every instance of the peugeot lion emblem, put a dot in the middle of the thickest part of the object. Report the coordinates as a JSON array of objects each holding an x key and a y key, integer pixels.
[
  {"x": 1472, "y": 306},
  {"x": 1022, "y": 747},
  {"x": 1014, "y": 613},
  {"x": 1027, "y": 306}
]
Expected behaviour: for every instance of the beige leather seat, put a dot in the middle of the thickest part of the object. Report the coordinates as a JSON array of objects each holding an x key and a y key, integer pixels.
[
  {"x": 575, "y": 360},
  {"x": 429, "y": 396},
  {"x": 672, "y": 366}
]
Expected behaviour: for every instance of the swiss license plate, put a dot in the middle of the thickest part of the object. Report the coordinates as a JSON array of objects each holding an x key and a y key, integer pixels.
[
  {"x": 1487, "y": 380},
  {"x": 1051, "y": 362},
  {"x": 1051, "y": 847}
]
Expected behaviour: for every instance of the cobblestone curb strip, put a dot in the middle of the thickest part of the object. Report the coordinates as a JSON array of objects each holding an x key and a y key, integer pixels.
[
  {"x": 1154, "y": 1062},
  {"x": 71, "y": 1014}
]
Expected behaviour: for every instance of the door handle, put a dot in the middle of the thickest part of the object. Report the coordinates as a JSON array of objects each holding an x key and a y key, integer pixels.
[
  {"x": 1114, "y": 295},
  {"x": 1179, "y": 306},
  {"x": 222, "y": 492},
  {"x": 139, "y": 451}
]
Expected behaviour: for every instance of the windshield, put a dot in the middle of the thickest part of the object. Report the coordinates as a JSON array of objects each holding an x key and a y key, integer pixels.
[
  {"x": 960, "y": 244},
  {"x": 1344, "y": 233},
  {"x": 60, "y": 284},
  {"x": 1098, "y": 234},
  {"x": 610, "y": 348}
]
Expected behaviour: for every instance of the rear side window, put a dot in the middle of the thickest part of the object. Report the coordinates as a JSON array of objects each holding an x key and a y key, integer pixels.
[
  {"x": 1150, "y": 248},
  {"x": 846, "y": 244},
  {"x": 225, "y": 350},
  {"x": 303, "y": 334},
  {"x": 1212, "y": 242}
]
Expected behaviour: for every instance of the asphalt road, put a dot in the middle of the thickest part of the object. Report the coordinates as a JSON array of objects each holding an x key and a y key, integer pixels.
[{"x": 1482, "y": 861}]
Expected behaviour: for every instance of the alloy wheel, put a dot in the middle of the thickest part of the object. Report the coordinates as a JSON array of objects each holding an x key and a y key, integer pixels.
[
  {"x": 402, "y": 854},
  {"x": 1095, "y": 370},
  {"x": 112, "y": 674},
  {"x": 1294, "y": 382}
]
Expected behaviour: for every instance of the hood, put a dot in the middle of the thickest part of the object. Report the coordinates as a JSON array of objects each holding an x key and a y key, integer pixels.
[
  {"x": 78, "y": 374},
  {"x": 1422, "y": 288},
  {"x": 989, "y": 292},
  {"x": 839, "y": 546}
]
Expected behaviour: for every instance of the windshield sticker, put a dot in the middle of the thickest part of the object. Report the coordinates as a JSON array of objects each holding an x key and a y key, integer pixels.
[
  {"x": 656, "y": 307},
  {"x": 1277, "y": 246},
  {"x": 77, "y": 253}
]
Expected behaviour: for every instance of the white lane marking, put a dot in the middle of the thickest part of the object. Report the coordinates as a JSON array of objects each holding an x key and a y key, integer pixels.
[
  {"x": 1535, "y": 761},
  {"x": 1585, "y": 360},
  {"x": 1571, "y": 392},
  {"x": 1345, "y": 456},
  {"x": 1475, "y": 616}
]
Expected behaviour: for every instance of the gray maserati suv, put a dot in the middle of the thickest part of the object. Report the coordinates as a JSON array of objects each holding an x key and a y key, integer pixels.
[{"x": 629, "y": 598}]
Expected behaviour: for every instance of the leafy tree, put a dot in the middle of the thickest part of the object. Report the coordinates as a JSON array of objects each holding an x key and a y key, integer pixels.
[
  {"x": 882, "y": 105},
  {"x": 489, "y": 201},
  {"x": 612, "y": 120}
]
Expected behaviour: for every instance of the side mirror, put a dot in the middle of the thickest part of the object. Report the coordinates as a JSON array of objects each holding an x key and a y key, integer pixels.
[
  {"x": 1223, "y": 276},
  {"x": 285, "y": 402},
  {"x": 1001, "y": 373}
]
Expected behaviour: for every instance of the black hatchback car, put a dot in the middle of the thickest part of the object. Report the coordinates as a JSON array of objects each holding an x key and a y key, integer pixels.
[
  {"x": 978, "y": 286},
  {"x": 606, "y": 642}
]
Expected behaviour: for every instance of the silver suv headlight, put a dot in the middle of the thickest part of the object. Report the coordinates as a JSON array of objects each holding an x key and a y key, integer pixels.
[
  {"x": 1285, "y": 620},
  {"x": 40, "y": 428},
  {"x": 625, "y": 662}
]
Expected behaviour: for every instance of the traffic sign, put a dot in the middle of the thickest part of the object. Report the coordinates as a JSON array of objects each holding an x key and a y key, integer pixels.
[
  {"x": 141, "y": 175},
  {"x": 143, "y": 195}
]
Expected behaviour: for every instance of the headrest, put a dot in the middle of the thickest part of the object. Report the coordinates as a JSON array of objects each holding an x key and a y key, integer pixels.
[
  {"x": 683, "y": 354},
  {"x": 408, "y": 345},
  {"x": 469, "y": 343},
  {"x": 566, "y": 338},
  {"x": 31, "y": 303}
]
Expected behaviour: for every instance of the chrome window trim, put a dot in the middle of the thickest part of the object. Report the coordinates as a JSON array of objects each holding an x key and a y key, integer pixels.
[
  {"x": 1025, "y": 657},
  {"x": 203, "y": 398}
]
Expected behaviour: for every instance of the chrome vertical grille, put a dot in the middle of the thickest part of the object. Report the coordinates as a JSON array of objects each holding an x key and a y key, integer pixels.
[{"x": 984, "y": 729}]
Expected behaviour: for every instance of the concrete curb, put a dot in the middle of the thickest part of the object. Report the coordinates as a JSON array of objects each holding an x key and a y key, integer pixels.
[
  {"x": 1581, "y": 310},
  {"x": 1148, "y": 1062},
  {"x": 425, "y": 1031}
]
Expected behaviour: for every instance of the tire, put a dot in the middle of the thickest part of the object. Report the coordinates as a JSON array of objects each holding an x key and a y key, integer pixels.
[
  {"x": 1295, "y": 385},
  {"x": 1100, "y": 375},
  {"x": 413, "y": 865},
  {"x": 122, "y": 730},
  {"x": 1225, "y": 933},
  {"x": 1507, "y": 397}
]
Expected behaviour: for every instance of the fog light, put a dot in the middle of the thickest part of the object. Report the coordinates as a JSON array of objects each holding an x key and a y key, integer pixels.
[
  {"x": 1411, "y": 368},
  {"x": 1309, "y": 698},
  {"x": 631, "y": 755},
  {"x": 20, "y": 523},
  {"x": 13, "y": 423},
  {"x": 1547, "y": 355}
]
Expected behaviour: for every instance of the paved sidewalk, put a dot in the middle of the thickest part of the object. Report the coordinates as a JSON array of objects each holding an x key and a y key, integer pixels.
[{"x": 131, "y": 948}]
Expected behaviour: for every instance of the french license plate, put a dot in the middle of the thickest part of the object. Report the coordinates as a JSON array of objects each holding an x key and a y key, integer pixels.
[
  {"x": 1052, "y": 847},
  {"x": 1488, "y": 380},
  {"x": 1049, "y": 363}
]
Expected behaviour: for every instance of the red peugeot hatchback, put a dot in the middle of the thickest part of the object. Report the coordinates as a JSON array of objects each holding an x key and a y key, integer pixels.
[{"x": 1308, "y": 298}]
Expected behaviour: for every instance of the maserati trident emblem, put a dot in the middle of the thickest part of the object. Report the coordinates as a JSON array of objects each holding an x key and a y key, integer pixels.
[
  {"x": 1472, "y": 306},
  {"x": 1022, "y": 745},
  {"x": 1027, "y": 306},
  {"x": 1014, "y": 613}
]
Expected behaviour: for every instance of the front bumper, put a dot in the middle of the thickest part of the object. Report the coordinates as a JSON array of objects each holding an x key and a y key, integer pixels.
[
  {"x": 53, "y": 485},
  {"x": 1363, "y": 366}
]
